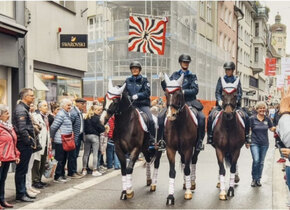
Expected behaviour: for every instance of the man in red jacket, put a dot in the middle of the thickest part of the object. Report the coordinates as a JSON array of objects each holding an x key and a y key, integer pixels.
[{"x": 111, "y": 154}]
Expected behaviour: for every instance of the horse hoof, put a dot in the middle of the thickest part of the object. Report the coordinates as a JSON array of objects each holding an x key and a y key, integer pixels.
[
  {"x": 188, "y": 195},
  {"x": 170, "y": 200},
  {"x": 223, "y": 196},
  {"x": 237, "y": 178},
  {"x": 123, "y": 195},
  {"x": 218, "y": 185},
  {"x": 153, "y": 188},
  {"x": 149, "y": 182},
  {"x": 193, "y": 185},
  {"x": 231, "y": 192},
  {"x": 130, "y": 194},
  {"x": 184, "y": 187}
]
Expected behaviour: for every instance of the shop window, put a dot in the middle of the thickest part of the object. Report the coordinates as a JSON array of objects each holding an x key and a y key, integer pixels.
[{"x": 7, "y": 8}]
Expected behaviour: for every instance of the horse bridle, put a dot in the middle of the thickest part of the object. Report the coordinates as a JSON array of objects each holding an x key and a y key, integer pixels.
[
  {"x": 117, "y": 112},
  {"x": 178, "y": 108}
]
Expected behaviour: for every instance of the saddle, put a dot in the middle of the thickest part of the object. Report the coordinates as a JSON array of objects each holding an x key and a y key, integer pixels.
[
  {"x": 143, "y": 120},
  {"x": 217, "y": 116}
]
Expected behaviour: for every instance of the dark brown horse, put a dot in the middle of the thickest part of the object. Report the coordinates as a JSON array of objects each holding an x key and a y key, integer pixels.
[
  {"x": 129, "y": 137},
  {"x": 228, "y": 139},
  {"x": 180, "y": 135}
]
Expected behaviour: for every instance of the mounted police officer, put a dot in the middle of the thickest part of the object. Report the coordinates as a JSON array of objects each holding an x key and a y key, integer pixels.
[
  {"x": 138, "y": 89},
  {"x": 190, "y": 90},
  {"x": 228, "y": 78}
]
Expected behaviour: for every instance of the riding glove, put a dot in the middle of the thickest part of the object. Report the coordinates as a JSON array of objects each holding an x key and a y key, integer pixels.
[
  {"x": 135, "y": 97},
  {"x": 220, "y": 103}
]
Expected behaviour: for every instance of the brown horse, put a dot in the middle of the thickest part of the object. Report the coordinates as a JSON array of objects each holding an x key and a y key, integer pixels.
[
  {"x": 180, "y": 135},
  {"x": 228, "y": 139},
  {"x": 129, "y": 137}
]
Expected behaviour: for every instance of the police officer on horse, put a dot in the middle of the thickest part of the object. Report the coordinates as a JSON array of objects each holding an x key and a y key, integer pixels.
[
  {"x": 190, "y": 90},
  {"x": 138, "y": 89},
  {"x": 228, "y": 78}
]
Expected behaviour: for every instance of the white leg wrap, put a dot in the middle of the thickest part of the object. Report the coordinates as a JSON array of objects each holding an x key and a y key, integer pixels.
[
  {"x": 237, "y": 172},
  {"x": 148, "y": 171},
  {"x": 171, "y": 186},
  {"x": 232, "y": 180},
  {"x": 187, "y": 182},
  {"x": 193, "y": 172},
  {"x": 182, "y": 167},
  {"x": 124, "y": 182},
  {"x": 129, "y": 181},
  {"x": 155, "y": 174},
  {"x": 222, "y": 182}
]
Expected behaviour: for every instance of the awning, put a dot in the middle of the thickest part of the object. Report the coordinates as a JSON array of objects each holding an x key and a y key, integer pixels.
[
  {"x": 39, "y": 85},
  {"x": 12, "y": 28}
]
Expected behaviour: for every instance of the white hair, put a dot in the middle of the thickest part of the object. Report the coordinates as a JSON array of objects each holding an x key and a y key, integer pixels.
[
  {"x": 40, "y": 103},
  {"x": 3, "y": 109},
  {"x": 64, "y": 102}
]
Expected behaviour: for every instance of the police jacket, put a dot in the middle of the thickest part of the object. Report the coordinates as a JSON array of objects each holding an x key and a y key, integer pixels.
[
  {"x": 189, "y": 85},
  {"x": 219, "y": 88},
  {"x": 23, "y": 125},
  {"x": 139, "y": 85}
]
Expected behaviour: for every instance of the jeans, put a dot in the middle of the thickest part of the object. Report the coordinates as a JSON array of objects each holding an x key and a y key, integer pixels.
[
  {"x": 258, "y": 155},
  {"x": 112, "y": 157},
  {"x": 93, "y": 141},
  {"x": 100, "y": 159},
  {"x": 3, "y": 174},
  {"x": 288, "y": 176},
  {"x": 60, "y": 156},
  {"x": 21, "y": 170}
]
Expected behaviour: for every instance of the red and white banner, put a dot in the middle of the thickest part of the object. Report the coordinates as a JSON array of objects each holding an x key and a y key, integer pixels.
[
  {"x": 270, "y": 67},
  {"x": 147, "y": 35}
]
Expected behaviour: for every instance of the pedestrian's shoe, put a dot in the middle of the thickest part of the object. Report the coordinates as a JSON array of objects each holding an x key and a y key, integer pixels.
[
  {"x": 253, "y": 184},
  {"x": 31, "y": 193},
  {"x": 258, "y": 183},
  {"x": 75, "y": 176},
  {"x": 37, "y": 185},
  {"x": 5, "y": 204},
  {"x": 33, "y": 190},
  {"x": 84, "y": 172},
  {"x": 43, "y": 183},
  {"x": 31, "y": 196},
  {"x": 24, "y": 199},
  {"x": 96, "y": 173},
  {"x": 60, "y": 180},
  {"x": 80, "y": 174}
]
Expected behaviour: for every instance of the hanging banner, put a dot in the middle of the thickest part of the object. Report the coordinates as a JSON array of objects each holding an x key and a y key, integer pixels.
[
  {"x": 285, "y": 66},
  {"x": 147, "y": 35},
  {"x": 270, "y": 66},
  {"x": 288, "y": 81},
  {"x": 280, "y": 81}
]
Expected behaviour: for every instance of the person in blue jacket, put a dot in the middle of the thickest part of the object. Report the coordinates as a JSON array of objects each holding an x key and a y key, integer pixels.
[
  {"x": 229, "y": 78},
  {"x": 138, "y": 89},
  {"x": 190, "y": 90}
]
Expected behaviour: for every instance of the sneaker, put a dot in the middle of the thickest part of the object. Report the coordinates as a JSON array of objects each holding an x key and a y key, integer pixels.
[
  {"x": 60, "y": 180},
  {"x": 253, "y": 184},
  {"x": 258, "y": 184},
  {"x": 31, "y": 194},
  {"x": 34, "y": 190},
  {"x": 75, "y": 176},
  {"x": 84, "y": 172},
  {"x": 66, "y": 178},
  {"x": 96, "y": 173}
]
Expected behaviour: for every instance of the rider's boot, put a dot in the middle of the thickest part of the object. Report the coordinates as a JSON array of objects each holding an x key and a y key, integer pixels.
[
  {"x": 201, "y": 131},
  {"x": 209, "y": 131}
]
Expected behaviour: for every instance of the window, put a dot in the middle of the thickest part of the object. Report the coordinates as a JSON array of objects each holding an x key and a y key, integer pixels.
[
  {"x": 209, "y": 12},
  {"x": 256, "y": 54},
  {"x": 201, "y": 9},
  {"x": 67, "y": 4},
  {"x": 253, "y": 82},
  {"x": 7, "y": 8},
  {"x": 256, "y": 29}
]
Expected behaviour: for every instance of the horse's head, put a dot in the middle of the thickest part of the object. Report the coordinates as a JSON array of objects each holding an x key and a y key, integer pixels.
[
  {"x": 111, "y": 101},
  {"x": 229, "y": 103},
  {"x": 174, "y": 97}
]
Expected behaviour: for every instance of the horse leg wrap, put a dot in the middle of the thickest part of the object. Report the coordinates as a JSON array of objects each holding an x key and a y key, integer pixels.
[
  {"x": 187, "y": 182},
  {"x": 193, "y": 172},
  {"x": 129, "y": 181},
  {"x": 155, "y": 174},
  {"x": 237, "y": 172},
  {"x": 148, "y": 171},
  {"x": 182, "y": 167},
  {"x": 232, "y": 179},
  {"x": 171, "y": 186},
  {"x": 222, "y": 183},
  {"x": 124, "y": 183}
]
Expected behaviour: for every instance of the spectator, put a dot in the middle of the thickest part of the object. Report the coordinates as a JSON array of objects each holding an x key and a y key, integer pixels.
[
  {"x": 102, "y": 151},
  {"x": 44, "y": 139},
  {"x": 61, "y": 125},
  {"x": 54, "y": 107},
  {"x": 78, "y": 128},
  {"x": 111, "y": 153},
  {"x": 259, "y": 125},
  {"x": 25, "y": 137},
  {"x": 93, "y": 129},
  {"x": 8, "y": 151}
]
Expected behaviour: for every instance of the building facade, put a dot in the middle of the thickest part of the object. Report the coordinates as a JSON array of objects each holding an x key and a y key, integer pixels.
[
  {"x": 12, "y": 51},
  {"x": 53, "y": 71}
]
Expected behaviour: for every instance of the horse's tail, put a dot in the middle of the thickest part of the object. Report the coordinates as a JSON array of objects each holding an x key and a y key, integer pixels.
[{"x": 228, "y": 159}]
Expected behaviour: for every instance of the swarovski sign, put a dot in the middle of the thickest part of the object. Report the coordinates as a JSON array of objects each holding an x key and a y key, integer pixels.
[{"x": 73, "y": 41}]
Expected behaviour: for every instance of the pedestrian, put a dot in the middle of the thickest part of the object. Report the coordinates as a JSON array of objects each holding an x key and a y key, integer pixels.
[
  {"x": 61, "y": 125},
  {"x": 112, "y": 158},
  {"x": 259, "y": 125},
  {"x": 93, "y": 129},
  {"x": 40, "y": 157},
  {"x": 25, "y": 137},
  {"x": 102, "y": 167},
  {"x": 8, "y": 151},
  {"x": 54, "y": 107},
  {"x": 76, "y": 115}
]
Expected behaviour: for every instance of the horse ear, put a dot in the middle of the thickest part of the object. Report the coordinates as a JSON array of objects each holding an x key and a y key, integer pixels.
[
  {"x": 110, "y": 84},
  {"x": 122, "y": 88},
  {"x": 180, "y": 80},
  {"x": 167, "y": 80}
]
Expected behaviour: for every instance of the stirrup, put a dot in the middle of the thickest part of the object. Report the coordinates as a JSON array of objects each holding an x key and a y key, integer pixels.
[
  {"x": 161, "y": 145},
  {"x": 209, "y": 139}
]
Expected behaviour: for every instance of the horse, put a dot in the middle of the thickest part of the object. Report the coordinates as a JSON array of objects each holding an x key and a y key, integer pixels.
[
  {"x": 180, "y": 135},
  {"x": 228, "y": 139},
  {"x": 129, "y": 137}
]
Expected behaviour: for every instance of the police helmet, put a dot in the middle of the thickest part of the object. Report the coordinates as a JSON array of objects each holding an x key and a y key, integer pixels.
[
  {"x": 184, "y": 58},
  {"x": 135, "y": 64},
  {"x": 229, "y": 66}
]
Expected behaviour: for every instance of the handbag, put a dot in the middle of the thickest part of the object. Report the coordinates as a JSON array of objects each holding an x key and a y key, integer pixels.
[
  {"x": 68, "y": 142},
  {"x": 36, "y": 144}
]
